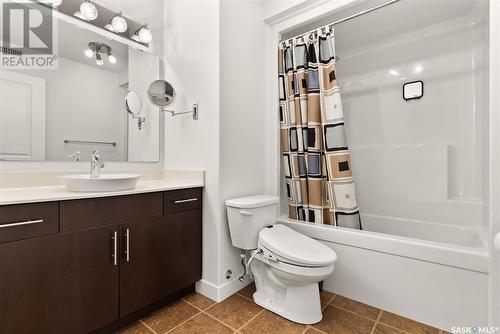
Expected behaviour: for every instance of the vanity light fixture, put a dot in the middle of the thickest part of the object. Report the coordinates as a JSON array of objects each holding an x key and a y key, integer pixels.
[
  {"x": 87, "y": 12},
  {"x": 143, "y": 35},
  {"x": 98, "y": 59},
  {"x": 117, "y": 24},
  {"x": 98, "y": 49}
]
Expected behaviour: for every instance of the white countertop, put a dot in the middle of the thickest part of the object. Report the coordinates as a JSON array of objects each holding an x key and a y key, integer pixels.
[{"x": 59, "y": 193}]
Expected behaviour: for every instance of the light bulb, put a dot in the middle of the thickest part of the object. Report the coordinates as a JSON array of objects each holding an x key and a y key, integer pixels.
[
  {"x": 88, "y": 10},
  {"x": 145, "y": 35},
  {"x": 99, "y": 62},
  {"x": 112, "y": 59},
  {"x": 119, "y": 23},
  {"x": 89, "y": 53}
]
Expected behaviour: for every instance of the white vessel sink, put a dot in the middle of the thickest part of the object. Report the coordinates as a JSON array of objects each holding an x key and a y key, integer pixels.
[{"x": 105, "y": 182}]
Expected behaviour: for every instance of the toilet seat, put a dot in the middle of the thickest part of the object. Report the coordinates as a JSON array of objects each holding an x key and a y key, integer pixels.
[{"x": 282, "y": 244}]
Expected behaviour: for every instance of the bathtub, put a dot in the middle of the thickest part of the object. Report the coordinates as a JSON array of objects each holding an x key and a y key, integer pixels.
[{"x": 433, "y": 273}]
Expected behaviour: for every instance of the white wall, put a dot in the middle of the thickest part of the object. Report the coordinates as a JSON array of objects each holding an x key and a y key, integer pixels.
[
  {"x": 243, "y": 112},
  {"x": 495, "y": 161},
  {"x": 221, "y": 66},
  {"x": 415, "y": 159},
  {"x": 83, "y": 103},
  {"x": 192, "y": 66},
  {"x": 273, "y": 8}
]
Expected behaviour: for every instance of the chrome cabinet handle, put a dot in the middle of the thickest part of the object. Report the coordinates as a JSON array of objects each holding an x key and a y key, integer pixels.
[
  {"x": 28, "y": 222},
  {"x": 127, "y": 241},
  {"x": 115, "y": 248},
  {"x": 185, "y": 200}
]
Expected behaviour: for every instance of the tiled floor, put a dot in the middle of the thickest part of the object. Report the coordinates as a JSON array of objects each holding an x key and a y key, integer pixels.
[{"x": 239, "y": 314}]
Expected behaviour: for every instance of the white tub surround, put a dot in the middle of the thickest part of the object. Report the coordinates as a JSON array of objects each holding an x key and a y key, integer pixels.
[
  {"x": 442, "y": 284},
  {"x": 171, "y": 180}
]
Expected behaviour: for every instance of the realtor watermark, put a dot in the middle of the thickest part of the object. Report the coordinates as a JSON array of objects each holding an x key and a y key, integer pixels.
[
  {"x": 475, "y": 330},
  {"x": 28, "y": 35}
]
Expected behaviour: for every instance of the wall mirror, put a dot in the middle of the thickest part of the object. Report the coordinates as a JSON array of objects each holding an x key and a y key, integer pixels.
[
  {"x": 133, "y": 105},
  {"x": 47, "y": 114},
  {"x": 161, "y": 94}
]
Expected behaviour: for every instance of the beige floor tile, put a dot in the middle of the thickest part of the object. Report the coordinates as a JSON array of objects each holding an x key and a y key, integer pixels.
[
  {"x": 135, "y": 328},
  {"x": 199, "y": 300},
  {"x": 234, "y": 311},
  {"x": 270, "y": 323},
  {"x": 339, "y": 321},
  {"x": 248, "y": 291},
  {"x": 356, "y": 307},
  {"x": 170, "y": 316},
  {"x": 383, "y": 329},
  {"x": 326, "y": 296},
  {"x": 202, "y": 324},
  {"x": 406, "y": 325}
]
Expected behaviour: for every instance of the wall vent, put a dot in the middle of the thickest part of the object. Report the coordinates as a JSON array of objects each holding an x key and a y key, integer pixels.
[{"x": 9, "y": 51}]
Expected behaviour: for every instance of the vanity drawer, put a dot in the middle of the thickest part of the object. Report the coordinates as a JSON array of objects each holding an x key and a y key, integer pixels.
[
  {"x": 24, "y": 221},
  {"x": 86, "y": 213},
  {"x": 181, "y": 200}
]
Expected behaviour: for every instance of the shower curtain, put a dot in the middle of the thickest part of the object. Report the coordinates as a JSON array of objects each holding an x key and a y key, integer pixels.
[{"x": 317, "y": 168}]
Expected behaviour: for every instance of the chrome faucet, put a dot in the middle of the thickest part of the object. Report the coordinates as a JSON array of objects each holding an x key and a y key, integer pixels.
[
  {"x": 95, "y": 165},
  {"x": 75, "y": 156}
]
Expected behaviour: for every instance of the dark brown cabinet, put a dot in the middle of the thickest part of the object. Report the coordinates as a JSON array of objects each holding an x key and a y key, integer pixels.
[
  {"x": 159, "y": 256},
  {"x": 65, "y": 283},
  {"x": 103, "y": 266}
]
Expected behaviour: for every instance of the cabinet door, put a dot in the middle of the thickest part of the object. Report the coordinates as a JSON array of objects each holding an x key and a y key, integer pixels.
[
  {"x": 64, "y": 283},
  {"x": 164, "y": 255}
]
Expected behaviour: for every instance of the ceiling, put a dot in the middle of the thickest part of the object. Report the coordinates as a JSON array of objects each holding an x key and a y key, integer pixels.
[{"x": 73, "y": 41}]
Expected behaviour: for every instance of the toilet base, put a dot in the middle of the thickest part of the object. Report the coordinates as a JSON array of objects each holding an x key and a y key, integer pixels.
[
  {"x": 297, "y": 302},
  {"x": 300, "y": 304}
]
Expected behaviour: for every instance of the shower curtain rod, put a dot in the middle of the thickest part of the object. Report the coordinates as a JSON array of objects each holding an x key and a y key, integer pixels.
[{"x": 347, "y": 18}]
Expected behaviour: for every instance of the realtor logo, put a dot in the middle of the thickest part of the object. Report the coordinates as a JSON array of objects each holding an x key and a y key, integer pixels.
[{"x": 28, "y": 36}]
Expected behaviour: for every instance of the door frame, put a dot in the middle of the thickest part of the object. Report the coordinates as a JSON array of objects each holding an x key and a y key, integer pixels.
[{"x": 38, "y": 115}]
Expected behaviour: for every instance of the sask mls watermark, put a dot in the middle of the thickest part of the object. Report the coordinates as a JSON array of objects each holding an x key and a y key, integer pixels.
[
  {"x": 28, "y": 34},
  {"x": 474, "y": 330}
]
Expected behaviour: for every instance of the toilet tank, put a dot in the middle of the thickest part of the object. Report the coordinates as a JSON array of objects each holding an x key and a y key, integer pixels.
[{"x": 247, "y": 216}]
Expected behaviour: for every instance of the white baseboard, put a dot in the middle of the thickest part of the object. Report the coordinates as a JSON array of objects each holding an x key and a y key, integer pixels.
[{"x": 220, "y": 292}]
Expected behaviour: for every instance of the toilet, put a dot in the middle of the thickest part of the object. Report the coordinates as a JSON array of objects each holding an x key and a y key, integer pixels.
[{"x": 286, "y": 265}]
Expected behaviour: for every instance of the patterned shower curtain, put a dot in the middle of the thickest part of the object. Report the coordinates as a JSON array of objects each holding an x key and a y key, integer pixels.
[{"x": 316, "y": 162}]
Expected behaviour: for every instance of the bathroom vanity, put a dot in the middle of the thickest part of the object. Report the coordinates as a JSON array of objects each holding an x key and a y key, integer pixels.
[{"x": 95, "y": 264}]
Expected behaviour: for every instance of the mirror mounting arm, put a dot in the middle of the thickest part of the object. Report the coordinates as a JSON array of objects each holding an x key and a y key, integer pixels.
[
  {"x": 140, "y": 121},
  {"x": 194, "y": 111}
]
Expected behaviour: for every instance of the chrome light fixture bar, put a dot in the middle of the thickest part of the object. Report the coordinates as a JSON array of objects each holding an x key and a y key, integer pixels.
[{"x": 53, "y": 3}]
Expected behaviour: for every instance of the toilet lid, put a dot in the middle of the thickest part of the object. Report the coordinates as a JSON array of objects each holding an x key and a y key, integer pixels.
[{"x": 289, "y": 244}]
